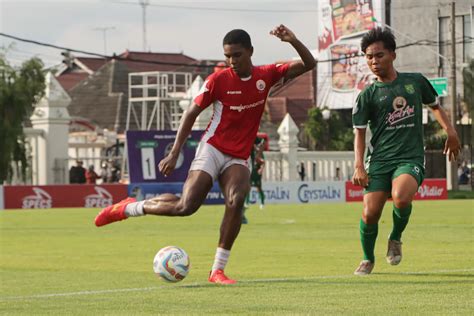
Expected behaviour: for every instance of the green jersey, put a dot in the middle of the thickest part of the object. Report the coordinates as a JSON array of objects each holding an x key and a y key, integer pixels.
[{"x": 394, "y": 114}]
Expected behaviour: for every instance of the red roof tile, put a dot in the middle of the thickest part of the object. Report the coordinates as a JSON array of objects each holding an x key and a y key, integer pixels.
[
  {"x": 294, "y": 97},
  {"x": 173, "y": 58},
  {"x": 92, "y": 63},
  {"x": 71, "y": 79}
]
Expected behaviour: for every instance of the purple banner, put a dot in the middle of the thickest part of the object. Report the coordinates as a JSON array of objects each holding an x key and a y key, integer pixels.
[
  {"x": 146, "y": 149},
  {"x": 145, "y": 191}
]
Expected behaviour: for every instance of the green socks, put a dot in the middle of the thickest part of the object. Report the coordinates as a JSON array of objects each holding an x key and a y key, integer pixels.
[
  {"x": 262, "y": 197},
  {"x": 400, "y": 221},
  {"x": 368, "y": 235},
  {"x": 368, "y": 232}
]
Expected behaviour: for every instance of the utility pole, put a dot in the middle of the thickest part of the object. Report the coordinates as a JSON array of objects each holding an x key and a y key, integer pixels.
[
  {"x": 454, "y": 164},
  {"x": 104, "y": 33},
  {"x": 144, "y": 3}
]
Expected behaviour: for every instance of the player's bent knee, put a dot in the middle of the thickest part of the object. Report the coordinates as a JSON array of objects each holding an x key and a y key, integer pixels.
[
  {"x": 402, "y": 203},
  {"x": 401, "y": 200},
  {"x": 370, "y": 217},
  {"x": 236, "y": 202}
]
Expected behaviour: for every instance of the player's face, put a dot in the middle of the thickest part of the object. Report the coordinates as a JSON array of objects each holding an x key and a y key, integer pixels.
[
  {"x": 379, "y": 59},
  {"x": 239, "y": 59}
]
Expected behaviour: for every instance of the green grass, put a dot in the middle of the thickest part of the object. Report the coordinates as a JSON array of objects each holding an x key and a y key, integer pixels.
[
  {"x": 292, "y": 259},
  {"x": 461, "y": 194}
]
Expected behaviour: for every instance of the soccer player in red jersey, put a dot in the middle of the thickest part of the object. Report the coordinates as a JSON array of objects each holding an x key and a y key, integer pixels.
[{"x": 238, "y": 94}]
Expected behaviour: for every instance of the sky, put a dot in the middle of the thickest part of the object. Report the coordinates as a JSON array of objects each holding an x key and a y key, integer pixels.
[{"x": 196, "y": 28}]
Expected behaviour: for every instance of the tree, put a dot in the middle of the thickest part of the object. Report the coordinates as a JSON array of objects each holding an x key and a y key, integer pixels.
[
  {"x": 333, "y": 133},
  {"x": 435, "y": 137},
  {"x": 20, "y": 89}
]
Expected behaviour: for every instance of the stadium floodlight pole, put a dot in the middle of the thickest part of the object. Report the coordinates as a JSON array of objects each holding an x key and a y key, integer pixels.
[
  {"x": 144, "y": 3},
  {"x": 453, "y": 165},
  {"x": 104, "y": 33}
]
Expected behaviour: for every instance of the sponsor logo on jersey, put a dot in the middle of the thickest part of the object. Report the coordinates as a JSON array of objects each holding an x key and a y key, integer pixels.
[
  {"x": 234, "y": 92},
  {"x": 241, "y": 107},
  {"x": 383, "y": 98},
  {"x": 399, "y": 103},
  {"x": 401, "y": 112},
  {"x": 41, "y": 199},
  {"x": 410, "y": 88},
  {"x": 261, "y": 85}
]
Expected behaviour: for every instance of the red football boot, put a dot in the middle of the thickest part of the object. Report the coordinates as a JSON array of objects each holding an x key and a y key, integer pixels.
[
  {"x": 113, "y": 213},
  {"x": 218, "y": 277}
]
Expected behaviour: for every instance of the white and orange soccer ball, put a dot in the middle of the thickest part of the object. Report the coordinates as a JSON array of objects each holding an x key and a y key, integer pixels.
[{"x": 171, "y": 264}]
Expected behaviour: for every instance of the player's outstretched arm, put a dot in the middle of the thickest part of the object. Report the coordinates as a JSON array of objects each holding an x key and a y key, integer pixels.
[
  {"x": 167, "y": 164},
  {"x": 452, "y": 146},
  {"x": 360, "y": 176},
  {"x": 307, "y": 61}
]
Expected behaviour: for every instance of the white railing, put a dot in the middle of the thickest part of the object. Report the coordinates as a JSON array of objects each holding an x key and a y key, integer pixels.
[
  {"x": 318, "y": 165},
  {"x": 33, "y": 137}
]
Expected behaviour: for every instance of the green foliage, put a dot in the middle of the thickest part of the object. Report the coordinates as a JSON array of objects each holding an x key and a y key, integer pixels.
[
  {"x": 20, "y": 89},
  {"x": 289, "y": 260},
  {"x": 435, "y": 137},
  {"x": 335, "y": 133}
]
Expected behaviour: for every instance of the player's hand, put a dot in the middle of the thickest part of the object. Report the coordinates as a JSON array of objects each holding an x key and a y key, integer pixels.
[
  {"x": 360, "y": 177},
  {"x": 167, "y": 164},
  {"x": 452, "y": 146},
  {"x": 283, "y": 33}
]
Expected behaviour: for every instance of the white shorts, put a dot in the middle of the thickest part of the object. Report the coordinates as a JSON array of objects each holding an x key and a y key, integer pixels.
[{"x": 211, "y": 160}]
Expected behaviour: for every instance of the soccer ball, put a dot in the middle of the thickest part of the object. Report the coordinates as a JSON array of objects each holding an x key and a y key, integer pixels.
[{"x": 171, "y": 264}]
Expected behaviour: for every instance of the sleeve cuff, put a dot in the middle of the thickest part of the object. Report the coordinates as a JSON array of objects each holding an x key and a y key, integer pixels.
[{"x": 434, "y": 103}]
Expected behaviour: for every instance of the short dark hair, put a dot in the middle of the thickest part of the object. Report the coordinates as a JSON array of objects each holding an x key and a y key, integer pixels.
[
  {"x": 238, "y": 36},
  {"x": 378, "y": 34}
]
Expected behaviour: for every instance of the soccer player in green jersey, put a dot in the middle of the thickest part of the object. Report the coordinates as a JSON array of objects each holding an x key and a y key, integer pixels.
[
  {"x": 394, "y": 166},
  {"x": 257, "y": 163}
]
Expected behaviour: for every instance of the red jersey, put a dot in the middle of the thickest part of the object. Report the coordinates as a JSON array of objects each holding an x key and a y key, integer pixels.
[{"x": 238, "y": 107}]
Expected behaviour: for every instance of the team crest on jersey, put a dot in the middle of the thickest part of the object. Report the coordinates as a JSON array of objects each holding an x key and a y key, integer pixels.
[
  {"x": 261, "y": 85},
  {"x": 401, "y": 112},
  {"x": 410, "y": 88}
]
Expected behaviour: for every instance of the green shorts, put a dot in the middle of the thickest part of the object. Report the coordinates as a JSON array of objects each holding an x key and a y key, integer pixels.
[{"x": 381, "y": 175}]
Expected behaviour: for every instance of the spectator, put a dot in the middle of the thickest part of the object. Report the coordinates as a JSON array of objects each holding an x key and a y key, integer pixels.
[
  {"x": 77, "y": 173},
  {"x": 463, "y": 173},
  {"x": 301, "y": 171},
  {"x": 103, "y": 171},
  {"x": 113, "y": 172},
  {"x": 338, "y": 177},
  {"x": 91, "y": 175}
]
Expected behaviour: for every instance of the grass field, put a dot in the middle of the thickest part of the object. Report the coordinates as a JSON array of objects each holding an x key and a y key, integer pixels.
[{"x": 292, "y": 259}]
